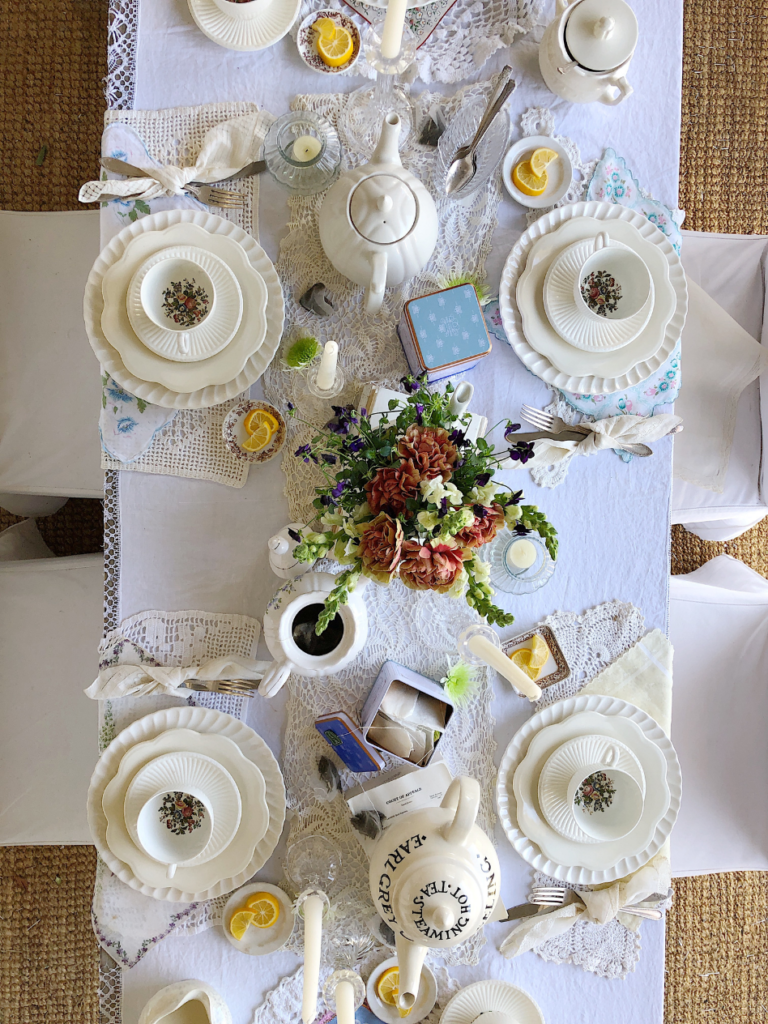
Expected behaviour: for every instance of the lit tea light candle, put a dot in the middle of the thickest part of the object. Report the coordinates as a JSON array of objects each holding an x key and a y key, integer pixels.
[
  {"x": 326, "y": 374},
  {"x": 392, "y": 34},
  {"x": 491, "y": 655},
  {"x": 306, "y": 148},
  {"x": 313, "y": 933},
  {"x": 345, "y": 1003},
  {"x": 521, "y": 554}
]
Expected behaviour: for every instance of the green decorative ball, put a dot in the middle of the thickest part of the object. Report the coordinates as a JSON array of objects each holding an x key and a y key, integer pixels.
[{"x": 302, "y": 352}]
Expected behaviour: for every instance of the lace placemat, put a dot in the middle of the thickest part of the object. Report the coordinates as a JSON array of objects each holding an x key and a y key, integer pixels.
[
  {"x": 191, "y": 444},
  {"x": 127, "y": 923},
  {"x": 455, "y": 37}
]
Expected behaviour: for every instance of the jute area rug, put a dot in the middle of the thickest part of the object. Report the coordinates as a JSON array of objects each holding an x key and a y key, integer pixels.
[{"x": 52, "y": 62}]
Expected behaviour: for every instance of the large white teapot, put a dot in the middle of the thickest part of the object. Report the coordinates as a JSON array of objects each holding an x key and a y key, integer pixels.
[
  {"x": 434, "y": 879},
  {"x": 378, "y": 223},
  {"x": 585, "y": 52}
]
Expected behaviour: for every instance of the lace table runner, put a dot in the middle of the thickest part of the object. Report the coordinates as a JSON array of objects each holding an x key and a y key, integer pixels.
[
  {"x": 127, "y": 923},
  {"x": 191, "y": 444}
]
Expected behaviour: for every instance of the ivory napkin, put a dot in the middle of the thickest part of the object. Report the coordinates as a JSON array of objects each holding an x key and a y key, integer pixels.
[
  {"x": 227, "y": 148},
  {"x": 642, "y": 676},
  {"x": 143, "y": 680},
  {"x": 604, "y": 434},
  {"x": 719, "y": 359}
]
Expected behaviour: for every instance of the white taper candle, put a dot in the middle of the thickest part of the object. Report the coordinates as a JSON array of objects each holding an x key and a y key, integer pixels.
[
  {"x": 497, "y": 659},
  {"x": 313, "y": 934},
  {"x": 326, "y": 373},
  {"x": 345, "y": 1003},
  {"x": 392, "y": 35}
]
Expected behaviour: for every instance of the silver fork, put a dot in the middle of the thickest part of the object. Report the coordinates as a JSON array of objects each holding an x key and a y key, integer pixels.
[
  {"x": 547, "y": 421},
  {"x": 231, "y": 687},
  {"x": 224, "y": 198},
  {"x": 555, "y": 896}
]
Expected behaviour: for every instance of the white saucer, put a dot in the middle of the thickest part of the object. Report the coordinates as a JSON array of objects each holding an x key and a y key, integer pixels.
[
  {"x": 559, "y": 172},
  {"x": 425, "y": 998},
  {"x": 542, "y": 336},
  {"x": 593, "y": 334},
  {"x": 245, "y": 33},
  {"x": 481, "y": 997},
  {"x": 198, "y": 775},
  {"x": 204, "y": 721},
  {"x": 260, "y": 941},
  {"x": 216, "y": 329},
  {"x": 147, "y": 389},
  {"x": 607, "y": 707},
  {"x": 588, "y": 381},
  {"x": 184, "y": 377}
]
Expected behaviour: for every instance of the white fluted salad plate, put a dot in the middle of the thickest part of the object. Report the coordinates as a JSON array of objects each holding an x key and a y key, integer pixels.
[
  {"x": 269, "y": 26},
  {"x": 516, "y": 752},
  {"x": 201, "y": 720},
  {"x": 159, "y": 394},
  {"x": 483, "y": 996},
  {"x": 589, "y": 380}
]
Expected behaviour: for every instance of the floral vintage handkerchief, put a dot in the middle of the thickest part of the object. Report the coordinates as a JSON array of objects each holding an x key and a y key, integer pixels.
[{"x": 127, "y": 424}]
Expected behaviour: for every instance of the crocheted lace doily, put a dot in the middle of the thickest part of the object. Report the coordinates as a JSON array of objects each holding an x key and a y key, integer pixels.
[{"x": 127, "y": 923}]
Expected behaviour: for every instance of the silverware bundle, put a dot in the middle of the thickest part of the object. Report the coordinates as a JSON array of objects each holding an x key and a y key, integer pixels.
[{"x": 557, "y": 896}]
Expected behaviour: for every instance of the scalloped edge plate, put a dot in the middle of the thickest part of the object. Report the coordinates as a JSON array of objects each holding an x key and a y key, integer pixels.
[
  {"x": 539, "y": 365},
  {"x": 484, "y": 996},
  {"x": 518, "y": 747},
  {"x": 157, "y": 394},
  {"x": 245, "y": 34},
  {"x": 202, "y": 720}
]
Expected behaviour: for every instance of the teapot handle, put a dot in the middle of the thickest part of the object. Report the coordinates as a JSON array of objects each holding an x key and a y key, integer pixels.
[
  {"x": 374, "y": 295},
  {"x": 622, "y": 90},
  {"x": 562, "y": 6},
  {"x": 463, "y": 794}
]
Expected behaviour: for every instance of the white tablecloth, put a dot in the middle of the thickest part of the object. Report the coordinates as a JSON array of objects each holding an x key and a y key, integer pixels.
[{"x": 193, "y": 544}]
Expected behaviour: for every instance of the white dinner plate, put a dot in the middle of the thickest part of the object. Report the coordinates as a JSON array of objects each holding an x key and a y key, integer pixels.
[
  {"x": 234, "y": 857},
  {"x": 158, "y": 394},
  {"x": 543, "y": 337},
  {"x": 203, "y": 721},
  {"x": 151, "y": 366},
  {"x": 593, "y": 856},
  {"x": 516, "y": 751},
  {"x": 483, "y": 996},
  {"x": 588, "y": 383},
  {"x": 257, "y": 33}
]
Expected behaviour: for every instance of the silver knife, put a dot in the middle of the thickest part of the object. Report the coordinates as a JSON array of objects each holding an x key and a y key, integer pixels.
[
  {"x": 527, "y": 910},
  {"x": 121, "y": 167},
  {"x": 549, "y": 435}
]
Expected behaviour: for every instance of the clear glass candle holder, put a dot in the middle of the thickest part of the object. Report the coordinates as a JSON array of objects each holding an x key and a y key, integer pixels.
[
  {"x": 336, "y": 388},
  {"x": 506, "y": 576},
  {"x": 290, "y": 166}
]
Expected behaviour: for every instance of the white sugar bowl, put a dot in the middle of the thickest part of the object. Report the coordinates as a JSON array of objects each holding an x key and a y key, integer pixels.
[
  {"x": 378, "y": 223},
  {"x": 585, "y": 52}
]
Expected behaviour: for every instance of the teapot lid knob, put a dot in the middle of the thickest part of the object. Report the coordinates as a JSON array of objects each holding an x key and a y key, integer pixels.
[
  {"x": 440, "y": 916},
  {"x": 384, "y": 203},
  {"x": 604, "y": 27}
]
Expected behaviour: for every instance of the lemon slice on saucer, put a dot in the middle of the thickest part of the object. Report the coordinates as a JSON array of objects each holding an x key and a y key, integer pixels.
[
  {"x": 530, "y": 184},
  {"x": 541, "y": 159},
  {"x": 523, "y": 660},
  {"x": 265, "y": 909},
  {"x": 539, "y": 652},
  {"x": 335, "y": 51}
]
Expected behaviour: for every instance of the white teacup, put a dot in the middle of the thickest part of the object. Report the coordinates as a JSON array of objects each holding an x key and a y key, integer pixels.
[
  {"x": 244, "y": 11},
  {"x": 607, "y": 803},
  {"x": 174, "y": 828},
  {"x": 495, "y": 1017},
  {"x": 165, "y": 305},
  {"x": 613, "y": 283}
]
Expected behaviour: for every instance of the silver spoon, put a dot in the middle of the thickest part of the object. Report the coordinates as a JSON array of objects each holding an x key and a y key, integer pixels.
[{"x": 463, "y": 165}]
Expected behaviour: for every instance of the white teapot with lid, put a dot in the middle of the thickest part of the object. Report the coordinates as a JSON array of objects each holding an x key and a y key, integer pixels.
[
  {"x": 378, "y": 223},
  {"x": 585, "y": 52},
  {"x": 434, "y": 879}
]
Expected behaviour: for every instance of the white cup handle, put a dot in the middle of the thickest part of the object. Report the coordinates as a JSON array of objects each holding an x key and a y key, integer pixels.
[
  {"x": 601, "y": 241},
  {"x": 612, "y": 756},
  {"x": 171, "y": 871}
]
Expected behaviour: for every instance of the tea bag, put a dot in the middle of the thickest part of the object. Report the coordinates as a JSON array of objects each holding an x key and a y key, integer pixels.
[
  {"x": 386, "y": 733},
  {"x": 400, "y": 700}
]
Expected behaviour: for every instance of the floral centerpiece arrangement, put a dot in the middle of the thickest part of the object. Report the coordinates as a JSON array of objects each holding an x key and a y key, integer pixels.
[{"x": 412, "y": 498}]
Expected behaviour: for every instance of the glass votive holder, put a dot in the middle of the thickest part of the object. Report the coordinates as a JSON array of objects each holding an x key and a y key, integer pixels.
[
  {"x": 336, "y": 388},
  {"x": 356, "y": 984},
  {"x": 506, "y": 572},
  {"x": 302, "y": 152}
]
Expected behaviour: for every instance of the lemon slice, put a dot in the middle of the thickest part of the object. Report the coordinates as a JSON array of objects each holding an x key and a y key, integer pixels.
[
  {"x": 541, "y": 159},
  {"x": 257, "y": 418},
  {"x": 337, "y": 51},
  {"x": 539, "y": 652},
  {"x": 530, "y": 184},
  {"x": 523, "y": 660},
  {"x": 388, "y": 986},
  {"x": 264, "y": 907},
  {"x": 239, "y": 922},
  {"x": 258, "y": 440},
  {"x": 325, "y": 27}
]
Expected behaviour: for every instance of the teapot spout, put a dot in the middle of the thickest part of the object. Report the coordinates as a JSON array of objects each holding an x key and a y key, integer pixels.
[
  {"x": 410, "y": 959},
  {"x": 387, "y": 151}
]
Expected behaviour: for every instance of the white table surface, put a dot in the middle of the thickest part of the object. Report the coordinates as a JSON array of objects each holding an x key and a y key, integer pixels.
[{"x": 193, "y": 544}]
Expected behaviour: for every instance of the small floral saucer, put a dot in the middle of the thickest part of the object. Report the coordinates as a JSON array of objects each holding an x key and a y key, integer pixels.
[
  {"x": 234, "y": 433},
  {"x": 306, "y": 41}
]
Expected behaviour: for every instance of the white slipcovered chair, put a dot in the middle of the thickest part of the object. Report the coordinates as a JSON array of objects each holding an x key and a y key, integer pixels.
[
  {"x": 718, "y": 625},
  {"x": 50, "y": 625},
  {"x": 49, "y": 378},
  {"x": 731, "y": 270}
]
